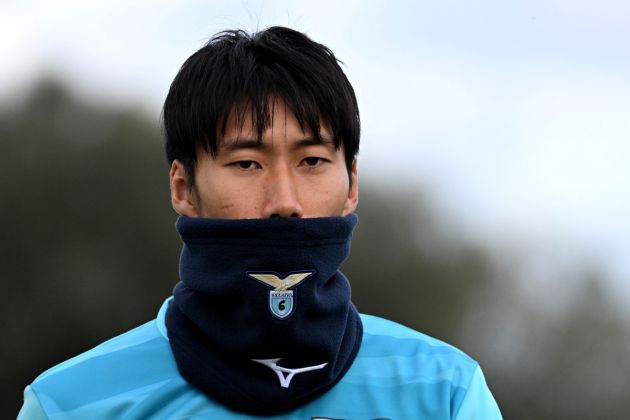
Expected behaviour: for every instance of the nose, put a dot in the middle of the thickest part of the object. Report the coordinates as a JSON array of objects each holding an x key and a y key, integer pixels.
[{"x": 282, "y": 196}]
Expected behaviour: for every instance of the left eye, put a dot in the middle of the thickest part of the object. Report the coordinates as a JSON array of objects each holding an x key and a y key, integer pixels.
[{"x": 313, "y": 161}]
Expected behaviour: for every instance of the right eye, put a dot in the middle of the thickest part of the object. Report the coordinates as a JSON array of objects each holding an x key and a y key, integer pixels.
[{"x": 246, "y": 165}]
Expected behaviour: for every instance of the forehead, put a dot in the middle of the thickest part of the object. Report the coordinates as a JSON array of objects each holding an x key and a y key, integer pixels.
[{"x": 276, "y": 118}]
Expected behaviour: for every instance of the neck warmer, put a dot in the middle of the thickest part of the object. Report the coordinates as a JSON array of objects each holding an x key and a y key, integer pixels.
[{"x": 261, "y": 320}]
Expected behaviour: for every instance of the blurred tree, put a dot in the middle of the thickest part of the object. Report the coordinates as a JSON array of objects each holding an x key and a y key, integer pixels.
[
  {"x": 403, "y": 268},
  {"x": 572, "y": 365},
  {"x": 89, "y": 248}
]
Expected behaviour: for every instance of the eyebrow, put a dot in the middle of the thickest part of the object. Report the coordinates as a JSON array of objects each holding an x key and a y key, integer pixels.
[
  {"x": 257, "y": 144},
  {"x": 238, "y": 143},
  {"x": 312, "y": 141}
]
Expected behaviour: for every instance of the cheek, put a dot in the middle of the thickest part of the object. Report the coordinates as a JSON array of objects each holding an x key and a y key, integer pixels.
[
  {"x": 216, "y": 199},
  {"x": 327, "y": 197},
  {"x": 229, "y": 203}
]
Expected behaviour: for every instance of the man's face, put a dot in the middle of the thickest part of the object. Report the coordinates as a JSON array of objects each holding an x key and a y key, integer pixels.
[{"x": 288, "y": 174}]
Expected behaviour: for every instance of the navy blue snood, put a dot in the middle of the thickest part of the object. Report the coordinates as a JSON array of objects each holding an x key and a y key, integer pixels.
[{"x": 261, "y": 320}]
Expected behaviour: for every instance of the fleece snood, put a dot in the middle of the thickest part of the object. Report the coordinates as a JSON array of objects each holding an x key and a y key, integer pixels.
[{"x": 261, "y": 320}]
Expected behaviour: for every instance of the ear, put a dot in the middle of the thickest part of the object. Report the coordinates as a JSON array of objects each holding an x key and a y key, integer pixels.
[
  {"x": 183, "y": 197},
  {"x": 353, "y": 192}
]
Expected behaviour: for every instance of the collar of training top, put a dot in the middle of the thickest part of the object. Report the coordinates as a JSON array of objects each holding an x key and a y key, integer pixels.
[{"x": 261, "y": 320}]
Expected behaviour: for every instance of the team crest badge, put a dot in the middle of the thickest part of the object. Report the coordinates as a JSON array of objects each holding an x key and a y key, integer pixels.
[{"x": 281, "y": 299}]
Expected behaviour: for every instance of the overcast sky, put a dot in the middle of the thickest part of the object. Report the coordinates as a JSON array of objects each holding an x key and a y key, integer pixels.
[{"x": 514, "y": 115}]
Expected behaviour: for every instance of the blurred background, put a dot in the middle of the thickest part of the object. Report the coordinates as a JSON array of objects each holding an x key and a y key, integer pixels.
[{"x": 495, "y": 188}]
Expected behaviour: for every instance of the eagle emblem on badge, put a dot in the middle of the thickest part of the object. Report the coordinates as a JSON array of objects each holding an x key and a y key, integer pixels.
[{"x": 281, "y": 299}]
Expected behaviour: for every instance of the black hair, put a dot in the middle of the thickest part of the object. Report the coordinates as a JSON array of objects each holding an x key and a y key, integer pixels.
[{"x": 236, "y": 72}]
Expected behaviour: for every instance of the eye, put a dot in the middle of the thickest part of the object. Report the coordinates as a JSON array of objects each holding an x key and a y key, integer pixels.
[
  {"x": 246, "y": 165},
  {"x": 313, "y": 161}
]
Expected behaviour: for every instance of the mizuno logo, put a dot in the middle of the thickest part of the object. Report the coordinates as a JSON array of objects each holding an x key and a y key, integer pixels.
[
  {"x": 280, "y": 371},
  {"x": 280, "y": 285}
]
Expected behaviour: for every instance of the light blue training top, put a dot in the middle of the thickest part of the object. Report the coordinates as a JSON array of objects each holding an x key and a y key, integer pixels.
[{"x": 398, "y": 374}]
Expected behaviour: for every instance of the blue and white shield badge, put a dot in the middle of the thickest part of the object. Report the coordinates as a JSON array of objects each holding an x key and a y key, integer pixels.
[
  {"x": 281, "y": 303},
  {"x": 281, "y": 300}
]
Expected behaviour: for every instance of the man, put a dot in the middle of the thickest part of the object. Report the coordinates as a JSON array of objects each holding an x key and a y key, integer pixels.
[{"x": 262, "y": 133}]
